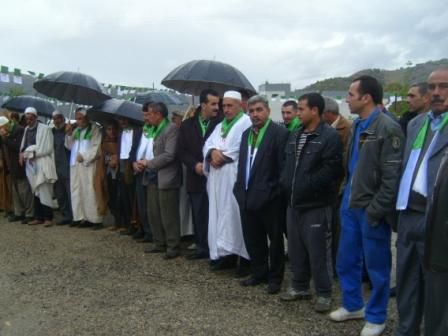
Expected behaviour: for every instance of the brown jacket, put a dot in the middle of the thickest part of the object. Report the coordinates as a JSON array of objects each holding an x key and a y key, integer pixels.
[{"x": 343, "y": 128}]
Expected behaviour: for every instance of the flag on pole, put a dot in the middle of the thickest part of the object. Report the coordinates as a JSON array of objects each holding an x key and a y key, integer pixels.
[
  {"x": 4, "y": 74},
  {"x": 17, "y": 78}
]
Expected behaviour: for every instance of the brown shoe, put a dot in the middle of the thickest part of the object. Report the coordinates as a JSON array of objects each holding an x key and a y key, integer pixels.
[
  {"x": 35, "y": 222},
  {"x": 48, "y": 223}
]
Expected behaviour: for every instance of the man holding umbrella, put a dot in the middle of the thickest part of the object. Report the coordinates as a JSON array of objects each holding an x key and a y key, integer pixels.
[
  {"x": 37, "y": 154},
  {"x": 84, "y": 142}
]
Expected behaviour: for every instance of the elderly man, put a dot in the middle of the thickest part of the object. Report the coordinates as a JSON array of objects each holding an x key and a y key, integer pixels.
[
  {"x": 37, "y": 154},
  {"x": 289, "y": 115},
  {"x": 221, "y": 152},
  {"x": 11, "y": 135},
  {"x": 84, "y": 142},
  {"x": 374, "y": 159},
  {"x": 426, "y": 144},
  {"x": 257, "y": 191},
  {"x": 193, "y": 133},
  {"x": 62, "y": 159},
  {"x": 164, "y": 178},
  {"x": 312, "y": 168}
]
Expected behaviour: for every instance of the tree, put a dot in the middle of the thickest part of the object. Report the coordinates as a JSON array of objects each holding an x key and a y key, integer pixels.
[{"x": 396, "y": 90}]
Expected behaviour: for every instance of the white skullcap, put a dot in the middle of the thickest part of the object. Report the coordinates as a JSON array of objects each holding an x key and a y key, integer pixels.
[
  {"x": 3, "y": 121},
  {"x": 233, "y": 94},
  {"x": 83, "y": 111},
  {"x": 31, "y": 110},
  {"x": 56, "y": 113}
]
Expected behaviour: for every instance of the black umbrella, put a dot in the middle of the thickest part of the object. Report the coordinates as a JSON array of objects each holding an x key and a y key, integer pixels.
[
  {"x": 73, "y": 87},
  {"x": 20, "y": 103},
  {"x": 114, "y": 108},
  {"x": 195, "y": 76},
  {"x": 159, "y": 97}
]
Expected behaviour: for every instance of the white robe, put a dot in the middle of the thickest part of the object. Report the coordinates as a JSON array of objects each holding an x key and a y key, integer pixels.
[
  {"x": 225, "y": 233},
  {"x": 39, "y": 166},
  {"x": 84, "y": 204}
]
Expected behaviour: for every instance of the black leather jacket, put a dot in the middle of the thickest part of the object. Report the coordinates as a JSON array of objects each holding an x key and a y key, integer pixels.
[{"x": 312, "y": 180}]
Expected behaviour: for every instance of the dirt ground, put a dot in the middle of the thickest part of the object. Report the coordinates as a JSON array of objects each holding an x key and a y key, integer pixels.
[{"x": 73, "y": 281}]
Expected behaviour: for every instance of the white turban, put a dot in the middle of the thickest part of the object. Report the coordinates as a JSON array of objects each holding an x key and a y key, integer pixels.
[
  {"x": 233, "y": 94},
  {"x": 3, "y": 121},
  {"x": 56, "y": 113},
  {"x": 31, "y": 110},
  {"x": 83, "y": 111}
]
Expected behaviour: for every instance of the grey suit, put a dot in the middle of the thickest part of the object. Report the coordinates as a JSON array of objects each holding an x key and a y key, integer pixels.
[
  {"x": 163, "y": 192},
  {"x": 411, "y": 275}
]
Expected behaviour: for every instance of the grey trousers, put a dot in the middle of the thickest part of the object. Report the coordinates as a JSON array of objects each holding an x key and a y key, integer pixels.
[
  {"x": 22, "y": 197},
  {"x": 141, "y": 195},
  {"x": 309, "y": 248},
  {"x": 163, "y": 206},
  {"x": 436, "y": 304},
  {"x": 410, "y": 272},
  {"x": 62, "y": 193}
]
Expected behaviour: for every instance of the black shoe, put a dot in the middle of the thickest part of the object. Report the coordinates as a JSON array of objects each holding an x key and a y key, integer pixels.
[
  {"x": 251, "y": 281},
  {"x": 75, "y": 224},
  {"x": 85, "y": 224},
  {"x": 27, "y": 220},
  {"x": 273, "y": 288},
  {"x": 242, "y": 272},
  {"x": 197, "y": 256},
  {"x": 223, "y": 263},
  {"x": 97, "y": 227},
  {"x": 64, "y": 222},
  {"x": 154, "y": 249},
  {"x": 171, "y": 255},
  {"x": 14, "y": 218}
]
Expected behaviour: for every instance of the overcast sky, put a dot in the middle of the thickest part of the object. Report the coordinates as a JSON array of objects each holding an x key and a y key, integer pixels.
[{"x": 137, "y": 42}]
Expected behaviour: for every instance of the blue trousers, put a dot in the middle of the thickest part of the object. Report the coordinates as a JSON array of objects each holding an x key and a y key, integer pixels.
[{"x": 359, "y": 240}]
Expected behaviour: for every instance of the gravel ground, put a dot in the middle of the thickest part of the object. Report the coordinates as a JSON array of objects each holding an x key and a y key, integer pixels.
[{"x": 72, "y": 281}]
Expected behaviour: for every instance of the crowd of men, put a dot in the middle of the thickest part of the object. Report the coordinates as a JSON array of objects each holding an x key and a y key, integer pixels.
[{"x": 332, "y": 189}]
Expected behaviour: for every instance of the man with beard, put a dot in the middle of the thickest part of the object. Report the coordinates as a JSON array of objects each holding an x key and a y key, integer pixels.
[
  {"x": 62, "y": 159},
  {"x": 426, "y": 144},
  {"x": 289, "y": 115},
  {"x": 193, "y": 134},
  {"x": 221, "y": 152}
]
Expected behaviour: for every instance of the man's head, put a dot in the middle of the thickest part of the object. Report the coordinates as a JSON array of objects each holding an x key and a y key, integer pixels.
[
  {"x": 331, "y": 110},
  {"x": 258, "y": 108},
  {"x": 31, "y": 116},
  {"x": 232, "y": 104},
  {"x": 111, "y": 129},
  {"x": 245, "y": 95},
  {"x": 438, "y": 88},
  {"x": 418, "y": 98},
  {"x": 364, "y": 94},
  {"x": 209, "y": 100},
  {"x": 145, "y": 111},
  {"x": 289, "y": 111},
  {"x": 58, "y": 119},
  {"x": 156, "y": 113},
  {"x": 81, "y": 117},
  {"x": 4, "y": 122},
  {"x": 123, "y": 122},
  {"x": 310, "y": 109}
]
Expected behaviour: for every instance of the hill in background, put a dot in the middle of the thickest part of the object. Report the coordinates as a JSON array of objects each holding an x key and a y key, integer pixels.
[{"x": 402, "y": 76}]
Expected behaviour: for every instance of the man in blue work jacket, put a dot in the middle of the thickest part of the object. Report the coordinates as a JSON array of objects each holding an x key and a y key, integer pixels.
[{"x": 373, "y": 170}]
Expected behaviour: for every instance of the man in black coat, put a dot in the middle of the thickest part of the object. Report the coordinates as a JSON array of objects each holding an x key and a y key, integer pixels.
[
  {"x": 313, "y": 167},
  {"x": 193, "y": 133},
  {"x": 257, "y": 191}
]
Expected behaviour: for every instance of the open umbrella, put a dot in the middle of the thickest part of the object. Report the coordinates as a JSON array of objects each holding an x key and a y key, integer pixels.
[
  {"x": 20, "y": 103},
  {"x": 195, "y": 76},
  {"x": 159, "y": 97},
  {"x": 115, "y": 108},
  {"x": 73, "y": 87}
]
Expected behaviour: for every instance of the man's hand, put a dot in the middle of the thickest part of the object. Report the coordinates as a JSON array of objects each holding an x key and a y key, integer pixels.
[
  {"x": 135, "y": 167},
  {"x": 21, "y": 159},
  {"x": 141, "y": 164},
  {"x": 199, "y": 169},
  {"x": 218, "y": 158},
  {"x": 68, "y": 129},
  {"x": 79, "y": 158}
]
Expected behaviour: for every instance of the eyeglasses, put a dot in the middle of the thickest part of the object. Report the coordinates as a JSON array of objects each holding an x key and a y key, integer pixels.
[{"x": 443, "y": 85}]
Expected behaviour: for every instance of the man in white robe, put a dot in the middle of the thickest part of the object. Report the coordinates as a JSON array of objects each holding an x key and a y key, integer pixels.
[
  {"x": 37, "y": 154},
  {"x": 84, "y": 142},
  {"x": 221, "y": 152}
]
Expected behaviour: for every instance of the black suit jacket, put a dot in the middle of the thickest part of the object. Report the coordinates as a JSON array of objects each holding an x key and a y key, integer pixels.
[
  {"x": 263, "y": 186},
  {"x": 189, "y": 151},
  {"x": 135, "y": 143}
]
